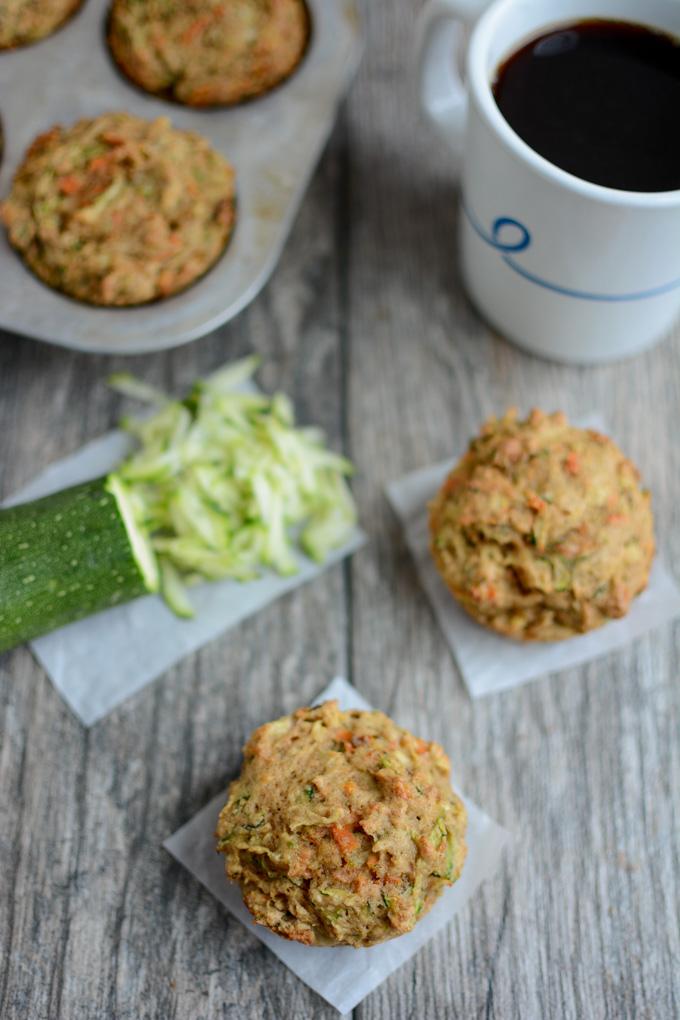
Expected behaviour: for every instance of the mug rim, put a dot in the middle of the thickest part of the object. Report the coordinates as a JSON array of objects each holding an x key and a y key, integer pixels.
[{"x": 480, "y": 88}]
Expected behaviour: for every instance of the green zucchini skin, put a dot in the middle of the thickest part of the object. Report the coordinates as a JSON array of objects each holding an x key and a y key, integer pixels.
[{"x": 63, "y": 557}]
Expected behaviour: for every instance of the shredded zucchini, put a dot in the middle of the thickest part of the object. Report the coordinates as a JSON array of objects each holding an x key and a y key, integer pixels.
[{"x": 224, "y": 483}]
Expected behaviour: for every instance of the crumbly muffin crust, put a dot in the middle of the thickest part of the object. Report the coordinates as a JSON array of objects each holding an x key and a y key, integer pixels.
[
  {"x": 208, "y": 52},
  {"x": 26, "y": 21},
  {"x": 342, "y": 827},
  {"x": 119, "y": 210},
  {"x": 542, "y": 531}
]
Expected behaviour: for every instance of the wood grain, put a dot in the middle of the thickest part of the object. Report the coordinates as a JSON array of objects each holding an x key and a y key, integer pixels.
[{"x": 366, "y": 325}]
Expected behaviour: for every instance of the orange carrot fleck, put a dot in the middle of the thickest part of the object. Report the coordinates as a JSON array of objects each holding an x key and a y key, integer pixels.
[
  {"x": 70, "y": 184},
  {"x": 98, "y": 163},
  {"x": 345, "y": 839},
  {"x": 452, "y": 483},
  {"x": 536, "y": 503},
  {"x": 196, "y": 28},
  {"x": 401, "y": 788},
  {"x": 345, "y": 737},
  {"x": 572, "y": 463}
]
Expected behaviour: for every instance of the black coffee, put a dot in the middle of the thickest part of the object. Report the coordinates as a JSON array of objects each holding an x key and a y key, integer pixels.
[{"x": 600, "y": 99}]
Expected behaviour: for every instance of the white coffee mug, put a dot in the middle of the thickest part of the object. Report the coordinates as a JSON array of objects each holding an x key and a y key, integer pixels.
[{"x": 567, "y": 269}]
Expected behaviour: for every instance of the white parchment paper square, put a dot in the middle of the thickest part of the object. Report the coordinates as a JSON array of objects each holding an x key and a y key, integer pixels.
[
  {"x": 343, "y": 976},
  {"x": 489, "y": 662},
  {"x": 98, "y": 662}
]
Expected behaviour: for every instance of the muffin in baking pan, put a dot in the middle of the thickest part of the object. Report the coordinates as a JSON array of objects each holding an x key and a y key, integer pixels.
[
  {"x": 26, "y": 21},
  {"x": 208, "y": 52},
  {"x": 118, "y": 210},
  {"x": 542, "y": 531},
  {"x": 342, "y": 828}
]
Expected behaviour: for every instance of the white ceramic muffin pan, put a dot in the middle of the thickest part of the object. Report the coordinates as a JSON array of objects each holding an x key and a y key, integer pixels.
[{"x": 273, "y": 142}]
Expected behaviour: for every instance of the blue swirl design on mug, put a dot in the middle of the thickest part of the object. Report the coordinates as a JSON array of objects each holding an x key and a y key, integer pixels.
[{"x": 509, "y": 237}]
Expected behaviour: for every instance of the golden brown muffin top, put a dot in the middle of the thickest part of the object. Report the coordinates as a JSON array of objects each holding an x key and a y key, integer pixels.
[
  {"x": 342, "y": 827},
  {"x": 119, "y": 210},
  {"x": 206, "y": 52},
  {"x": 26, "y": 21},
  {"x": 542, "y": 530}
]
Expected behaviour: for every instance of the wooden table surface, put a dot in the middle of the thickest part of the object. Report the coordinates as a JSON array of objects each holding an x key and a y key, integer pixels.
[{"x": 366, "y": 325}]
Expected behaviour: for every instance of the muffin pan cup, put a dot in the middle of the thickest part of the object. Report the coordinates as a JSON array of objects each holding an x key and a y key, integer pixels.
[{"x": 273, "y": 142}]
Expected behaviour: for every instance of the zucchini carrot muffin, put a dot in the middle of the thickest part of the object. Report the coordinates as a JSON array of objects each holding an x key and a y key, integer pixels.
[
  {"x": 27, "y": 21},
  {"x": 120, "y": 210},
  {"x": 542, "y": 530},
  {"x": 342, "y": 828},
  {"x": 208, "y": 52}
]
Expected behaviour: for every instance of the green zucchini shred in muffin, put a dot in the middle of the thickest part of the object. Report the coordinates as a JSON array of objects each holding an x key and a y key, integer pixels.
[
  {"x": 208, "y": 52},
  {"x": 26, "y": 21},
  {"x": 119, "y": 210},
  {"x": 542, "y": 531},
  {"x": 342, "y": 828}
]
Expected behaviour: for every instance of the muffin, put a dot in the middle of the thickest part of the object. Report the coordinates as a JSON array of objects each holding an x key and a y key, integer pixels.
[
  {"x": 27, "y": 21},
  {"x": 120, "y": 210},
  {"x": 208, "y": 52},
  {"x": 342, "y": 828},
  {"x": 542, "y": 531}
]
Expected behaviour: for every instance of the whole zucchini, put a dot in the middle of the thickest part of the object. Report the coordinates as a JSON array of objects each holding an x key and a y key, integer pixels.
[{"x": 66, "y": 556}]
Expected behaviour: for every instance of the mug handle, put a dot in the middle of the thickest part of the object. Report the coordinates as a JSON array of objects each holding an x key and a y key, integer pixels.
[{"x": 441, "y": 38}]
